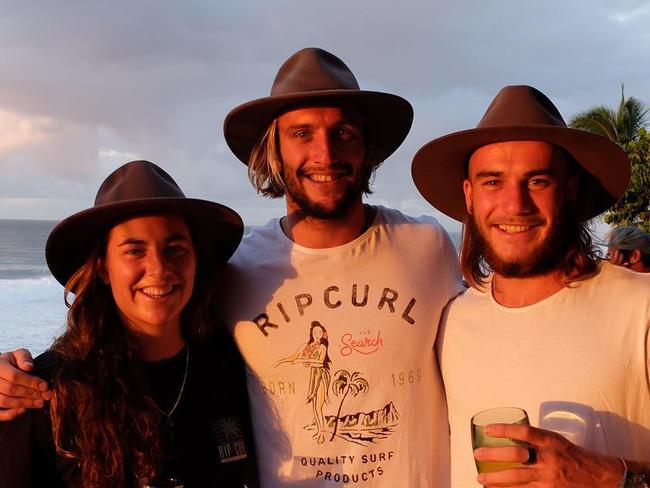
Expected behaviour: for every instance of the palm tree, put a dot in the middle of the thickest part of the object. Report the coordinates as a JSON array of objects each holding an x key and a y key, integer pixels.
[
  {"x": 620, "y": 126},
  {"x": 347, "y": 383},
  {"x": 626, "y": 127}
]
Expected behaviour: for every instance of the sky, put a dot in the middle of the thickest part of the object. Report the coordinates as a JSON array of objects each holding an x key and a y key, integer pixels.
[{"x": 86, "y": 86}]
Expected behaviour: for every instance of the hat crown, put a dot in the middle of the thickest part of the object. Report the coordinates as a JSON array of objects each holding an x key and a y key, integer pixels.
[
  {"x": 135, "y": 181},
  {"x": 521, "y": 105},
  {"x": 313, "y": 69}
]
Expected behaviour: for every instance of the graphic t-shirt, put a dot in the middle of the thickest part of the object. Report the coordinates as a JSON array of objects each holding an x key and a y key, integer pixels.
[
  {"x": 576, "y": 361},
  {"x": 339, "y": 346}
]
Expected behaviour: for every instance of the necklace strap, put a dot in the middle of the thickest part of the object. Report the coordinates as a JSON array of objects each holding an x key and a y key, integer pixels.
[{"x": 180, "y": 392}]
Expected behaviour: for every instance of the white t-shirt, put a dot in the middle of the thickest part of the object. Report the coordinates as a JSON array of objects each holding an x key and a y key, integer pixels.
[
  {"x": 576, "y": 361},
  {"x": 367, "y": 369}
]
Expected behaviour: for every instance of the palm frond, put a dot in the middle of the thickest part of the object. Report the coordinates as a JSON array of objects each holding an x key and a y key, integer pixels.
[
  {"x": 620, "y": 126},
  {"x": 598, "y": 120}
]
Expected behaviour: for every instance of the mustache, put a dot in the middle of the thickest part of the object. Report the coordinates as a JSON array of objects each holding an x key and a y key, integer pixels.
[{"x": 342, "y": 167}]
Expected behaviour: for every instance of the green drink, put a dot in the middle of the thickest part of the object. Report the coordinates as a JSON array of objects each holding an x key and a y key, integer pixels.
[
  {"x": 490, "y": 466},
  {"x": 503, "y": 415}
]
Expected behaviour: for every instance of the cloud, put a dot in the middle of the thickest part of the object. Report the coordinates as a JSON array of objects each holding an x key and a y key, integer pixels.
[
  {"x": 85, "y": 89},
  {"x": 18, "y": 130},
  {"x": 636, "y": 11}
]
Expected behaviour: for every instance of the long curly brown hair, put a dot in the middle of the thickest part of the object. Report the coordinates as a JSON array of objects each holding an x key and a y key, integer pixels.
[{"x": 112, "y": 433}]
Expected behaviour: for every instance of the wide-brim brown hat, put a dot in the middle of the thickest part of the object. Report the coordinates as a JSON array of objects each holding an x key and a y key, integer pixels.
[
  {"x": 138, "y": 188},
  {"x": 520, "y": 113},
  {"x": 316, "y": 76}
]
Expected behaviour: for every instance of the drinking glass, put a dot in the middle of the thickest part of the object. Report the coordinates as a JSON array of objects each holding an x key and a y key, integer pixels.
[
  {"x": 501, "y": 415},
  {"x": 161, "y": 482}
]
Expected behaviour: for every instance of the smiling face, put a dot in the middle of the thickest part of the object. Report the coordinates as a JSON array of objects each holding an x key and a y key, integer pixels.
[
  {"x": 517, "y": 195},
  {"x": 150, "y": 265},
  {"x": 323, "y": 153}
]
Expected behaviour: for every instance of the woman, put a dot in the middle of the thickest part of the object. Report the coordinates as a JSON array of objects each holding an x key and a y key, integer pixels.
[
  {"x": 314, "y": 356},
  {"x": 143, "y": 384}
]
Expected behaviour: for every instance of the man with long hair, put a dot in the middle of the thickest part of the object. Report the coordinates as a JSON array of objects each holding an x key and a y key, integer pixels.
[
  {"x": 545, "y": 325},
  {"x": 366, "y": 271}
]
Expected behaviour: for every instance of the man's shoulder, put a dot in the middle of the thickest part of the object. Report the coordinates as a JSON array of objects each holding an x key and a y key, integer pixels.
[
  {"x": 622, "y": 279},
  {"x": 421, "y": 237},
  {"x": 257, "y": 239},
  {"x": 402, "y": 224},
  {"x": 268, "y": 231},
  {"x": 392, "y": 215},
  {"x": 469, "y": 298}
]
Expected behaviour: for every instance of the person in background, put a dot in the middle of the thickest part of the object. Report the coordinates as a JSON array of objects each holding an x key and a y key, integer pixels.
[
  {"x": 629, "y": 247},
  {"x": 546, "y": 325},
  {"x": 144, "y": 385}
]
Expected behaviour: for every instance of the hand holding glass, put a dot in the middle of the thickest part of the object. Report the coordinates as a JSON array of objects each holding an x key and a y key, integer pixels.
[{"x": 502, "y": 415}]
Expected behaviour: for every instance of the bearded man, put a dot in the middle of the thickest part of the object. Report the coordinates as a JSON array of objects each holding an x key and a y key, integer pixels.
[{"x": 545, "y": 325}]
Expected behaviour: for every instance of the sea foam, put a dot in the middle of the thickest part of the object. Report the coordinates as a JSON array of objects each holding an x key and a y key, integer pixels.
[{"x": 33, "y": 313}]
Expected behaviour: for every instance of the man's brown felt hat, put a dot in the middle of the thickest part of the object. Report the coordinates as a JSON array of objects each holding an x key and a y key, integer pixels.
[
  {"x": 138, "y": 188},
  {"x": 316, "y": 76},
  {"x": 520, "y": 113}
]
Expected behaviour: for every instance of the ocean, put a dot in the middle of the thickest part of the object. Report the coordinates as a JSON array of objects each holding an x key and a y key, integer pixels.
[{"x": 31, "y": 300}]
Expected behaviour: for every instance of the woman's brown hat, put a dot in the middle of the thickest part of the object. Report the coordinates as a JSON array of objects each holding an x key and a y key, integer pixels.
[
  {"x": 313, "y": 75},
  {"x": 138, "y": 188},
  {"x": 520, "y": 113}
]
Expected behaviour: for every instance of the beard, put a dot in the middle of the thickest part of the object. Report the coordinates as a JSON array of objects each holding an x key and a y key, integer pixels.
[
  {"x": 310, "y": 208},
  {"x": 546, "y": 257}
]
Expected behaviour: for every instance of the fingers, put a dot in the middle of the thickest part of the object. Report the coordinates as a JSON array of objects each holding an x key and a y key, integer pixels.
[
  {"x": 505, "y": 454},
  {"x": 616, "y": 257},
  {"x": 507, "y": 477},
  {"x": 14, "y": 396},
  {"x": 9, "y": 402},
  {"x": 11, "y": 413},
  {"x": 15, "y": 377},
  {"x": 524, "y": 433},
  {"x": 19, "y": 390},
  {"x": 24, "y": 359},
  {"x": 509, "y": 454}
]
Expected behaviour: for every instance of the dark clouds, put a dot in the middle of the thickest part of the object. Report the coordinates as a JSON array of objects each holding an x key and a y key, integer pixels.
[{"x": 97, "y": 83}]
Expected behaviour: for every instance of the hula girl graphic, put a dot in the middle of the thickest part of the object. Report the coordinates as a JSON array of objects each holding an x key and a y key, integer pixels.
[
  {"x": 313, "y": 355},
  {"x": 363, "y": 428}
]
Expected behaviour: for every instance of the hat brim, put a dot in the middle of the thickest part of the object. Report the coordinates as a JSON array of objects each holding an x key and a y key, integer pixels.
[
  {"x": 390, "y": 117},
  {"x": 72, "y": 240},
  {"x": 440, "y": 166}
]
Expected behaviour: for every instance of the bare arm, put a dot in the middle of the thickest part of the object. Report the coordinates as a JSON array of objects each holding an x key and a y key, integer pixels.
[
  {"x": 19, "y": 390},
  {"x": 319, "y": 361},
  {"x": 558, "y": 463},
  {"x": 290, "y": 359}
]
